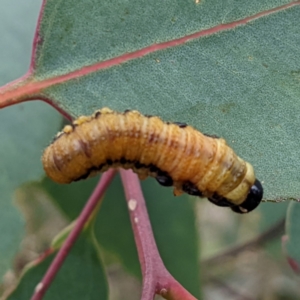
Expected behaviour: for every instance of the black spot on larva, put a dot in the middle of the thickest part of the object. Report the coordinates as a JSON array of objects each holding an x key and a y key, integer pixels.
[
  {"x": 191, "y": 189},
  {"x": 211, "y": 135},
  {"x": 84, "y": 176},
  {"x": 123, "y": 161},
  {"x": 164, "y": 179},
  {"x": 89, "y": 171},
  {"x": 127, "y": 111},
  {"x": 100, "y": 167},
  {"x": 109, "y": 162},
  {"x": 148, "y": 116},
  {"x": 153, "y": 168},
  {"x": 180, "y": 124},
  {"x": 97, "y": 114},
  {"x": 138, "y": 165},
  {"x": 219, "y": 200}
]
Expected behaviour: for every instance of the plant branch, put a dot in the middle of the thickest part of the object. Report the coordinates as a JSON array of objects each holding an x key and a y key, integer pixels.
[
  {"x": 84, "y": 216},
  {"x": 266, "y": 236},
  {"x": 228, "y": 292},
  {"x": 156, "y": 278}
]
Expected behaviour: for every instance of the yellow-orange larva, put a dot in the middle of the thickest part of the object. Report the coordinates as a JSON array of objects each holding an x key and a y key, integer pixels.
[{"x": 174, "y": 153}]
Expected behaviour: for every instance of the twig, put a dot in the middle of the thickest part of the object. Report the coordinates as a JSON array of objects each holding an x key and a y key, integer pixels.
[
  {"x": 266, "y": 236},
  {"x": 156, "y": 278},
  {"x": 231, "y": 292},
  {"x": 87, "y": 211}
]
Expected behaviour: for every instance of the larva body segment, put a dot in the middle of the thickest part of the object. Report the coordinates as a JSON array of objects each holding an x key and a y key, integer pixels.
[{"x": 174, "y": 153}]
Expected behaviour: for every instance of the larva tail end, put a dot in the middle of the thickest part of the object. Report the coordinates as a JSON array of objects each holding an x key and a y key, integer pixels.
[{"x": 253, "y": 199}]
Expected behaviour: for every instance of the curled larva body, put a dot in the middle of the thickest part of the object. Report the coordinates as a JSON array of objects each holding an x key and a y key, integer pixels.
[{"x": 174, "y": 153}]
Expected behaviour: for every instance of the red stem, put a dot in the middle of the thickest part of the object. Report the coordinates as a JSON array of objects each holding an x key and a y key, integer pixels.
[
  {"x": 94, "y": 199},
  {"x": 156, "y": 278}
]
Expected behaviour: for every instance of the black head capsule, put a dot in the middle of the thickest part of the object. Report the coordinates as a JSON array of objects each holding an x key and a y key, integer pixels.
[{"x": 253, "y": 199}]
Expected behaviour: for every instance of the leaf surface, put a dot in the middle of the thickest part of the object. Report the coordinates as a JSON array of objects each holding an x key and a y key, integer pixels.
[
  {"x": 25, "y": 130},
  {"x": 229, "y": 68},
  {"x": 81, "y": 276}
]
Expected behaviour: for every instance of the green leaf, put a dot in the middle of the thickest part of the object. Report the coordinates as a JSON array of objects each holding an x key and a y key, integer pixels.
[
  {"x": 69, "y": 198},
  {"x": 81, "y": 276},
  {"x": 112, "y": 227},
  {"x": 17, "y": 23},
  {"x": 272, "y": 214},
  {"x": 238, "y": 78},
  {"x": 21, "y": 145},
  {"x": 25, "y": 130}
]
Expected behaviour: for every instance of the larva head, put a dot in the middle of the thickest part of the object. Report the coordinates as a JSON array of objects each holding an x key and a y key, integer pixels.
[{"x": 253, "y": 199}]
